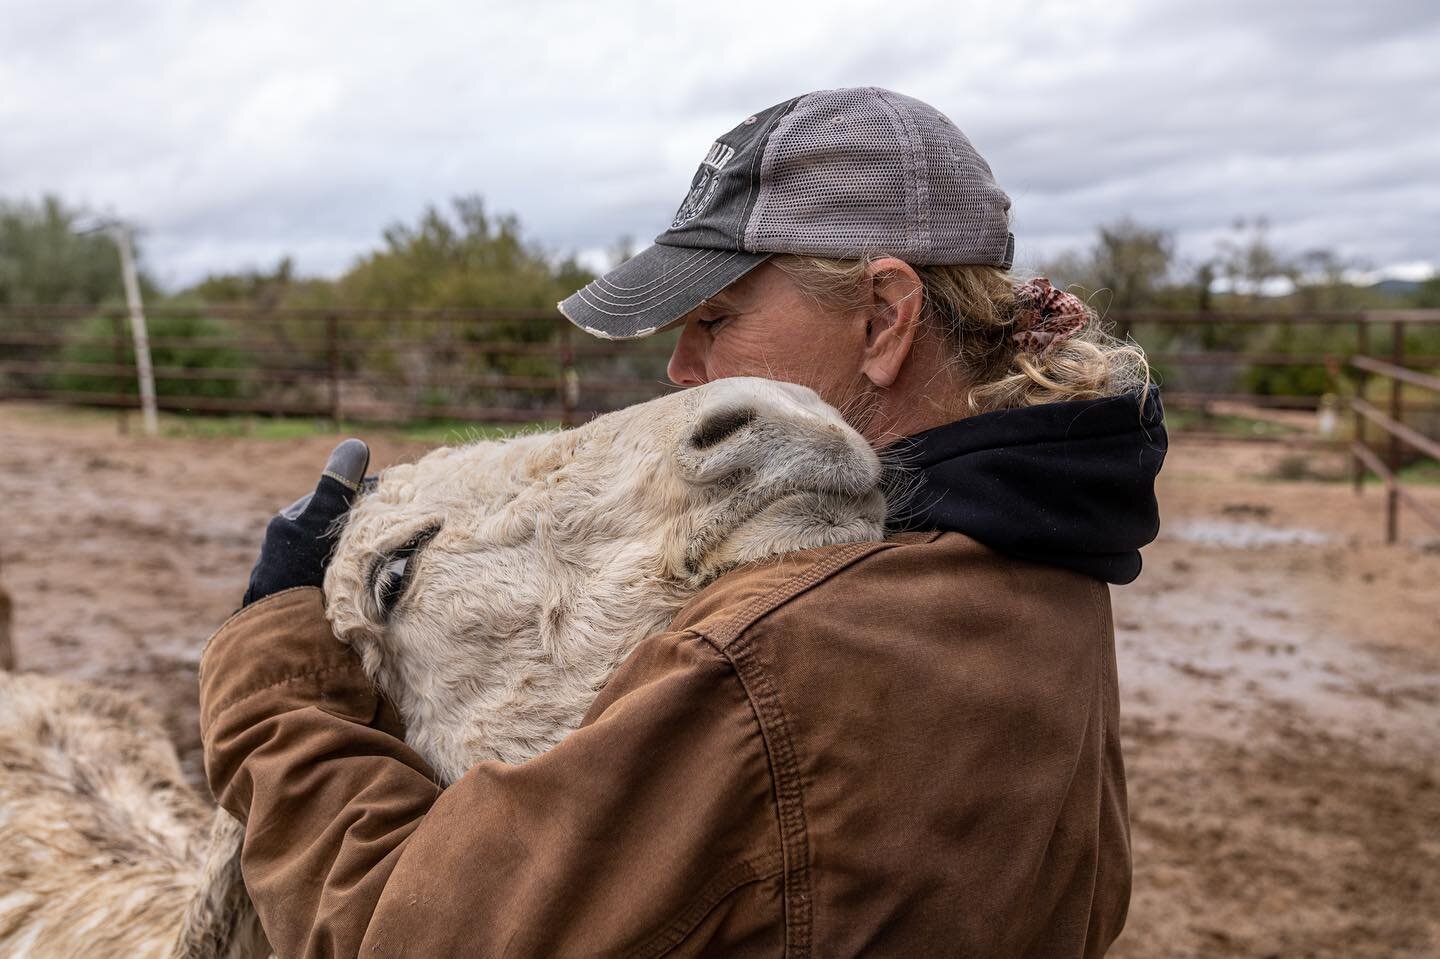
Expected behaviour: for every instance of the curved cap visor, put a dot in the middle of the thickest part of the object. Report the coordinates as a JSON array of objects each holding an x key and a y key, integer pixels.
[{"x": 654, "y": 288}]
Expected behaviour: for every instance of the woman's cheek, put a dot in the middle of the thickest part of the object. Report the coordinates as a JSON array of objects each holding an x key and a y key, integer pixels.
[{"x": 738, "y": 355}]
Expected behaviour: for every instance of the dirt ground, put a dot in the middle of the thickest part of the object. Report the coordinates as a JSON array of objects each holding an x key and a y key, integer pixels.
[{"x": 1280, "y": 665}]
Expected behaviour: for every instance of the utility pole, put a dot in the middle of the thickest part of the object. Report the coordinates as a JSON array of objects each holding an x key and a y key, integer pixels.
[{"x": 120, "y": 233}]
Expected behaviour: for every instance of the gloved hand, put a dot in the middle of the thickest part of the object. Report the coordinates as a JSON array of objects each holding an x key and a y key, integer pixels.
[{"x": 299, "y": 541}]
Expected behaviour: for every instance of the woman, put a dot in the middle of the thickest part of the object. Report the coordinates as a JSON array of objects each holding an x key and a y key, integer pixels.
[{"x": 901, "y": 748}]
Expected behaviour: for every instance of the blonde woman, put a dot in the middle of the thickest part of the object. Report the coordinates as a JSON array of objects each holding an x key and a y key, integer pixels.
[{"x": 906, "y": 748}]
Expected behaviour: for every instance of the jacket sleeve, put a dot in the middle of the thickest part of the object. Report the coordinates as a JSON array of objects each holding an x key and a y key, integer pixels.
[{"x": 624, "y": 839}]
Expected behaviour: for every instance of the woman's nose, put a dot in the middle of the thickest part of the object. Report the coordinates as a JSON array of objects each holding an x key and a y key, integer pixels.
[{"x": 687, "y": 362}]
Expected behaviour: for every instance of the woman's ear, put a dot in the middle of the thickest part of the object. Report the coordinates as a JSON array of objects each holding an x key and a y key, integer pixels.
[{"x": 896, "y": 298}]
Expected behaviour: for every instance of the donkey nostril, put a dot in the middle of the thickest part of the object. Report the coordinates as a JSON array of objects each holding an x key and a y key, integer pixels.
[{"x": 720, "y": 426}]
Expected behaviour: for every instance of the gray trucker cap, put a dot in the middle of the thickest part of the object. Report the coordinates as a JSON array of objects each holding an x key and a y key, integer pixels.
[{"x": 837, "y": 173}]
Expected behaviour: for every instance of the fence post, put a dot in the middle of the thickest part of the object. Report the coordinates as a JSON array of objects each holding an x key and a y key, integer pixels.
[
  {"x": 1362, "y": 348},
  {"x": 1392, "y": 498},
  {"x": 139, "y": 329},
  {"x": 569, "y": 378},
  {"x": 332, "y": 366},
  {"x": 117, "y": 324}
]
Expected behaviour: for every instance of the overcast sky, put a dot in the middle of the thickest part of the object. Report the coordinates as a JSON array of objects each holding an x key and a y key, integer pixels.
[{"x": 235, "y": 133}]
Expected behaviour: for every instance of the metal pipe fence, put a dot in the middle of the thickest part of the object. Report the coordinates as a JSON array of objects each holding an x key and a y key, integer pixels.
[
  {"x": 1398, "y": 435},
  {"x": 508, "y": 366},
  {"x": 1352, "y": 368},
  {"x": 362, "y": 364}
]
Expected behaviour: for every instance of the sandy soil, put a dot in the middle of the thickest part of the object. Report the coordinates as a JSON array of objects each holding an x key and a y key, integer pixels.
[{"x": 1280, "y": 665}]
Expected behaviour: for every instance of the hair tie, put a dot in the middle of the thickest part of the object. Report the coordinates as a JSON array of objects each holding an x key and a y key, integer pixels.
[{"x": 1047, "y": 316}]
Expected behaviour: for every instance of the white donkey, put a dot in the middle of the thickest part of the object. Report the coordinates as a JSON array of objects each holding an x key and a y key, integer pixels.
[
  {"x": 105, "y": 851},
  {"x": 490, "y": 591}
]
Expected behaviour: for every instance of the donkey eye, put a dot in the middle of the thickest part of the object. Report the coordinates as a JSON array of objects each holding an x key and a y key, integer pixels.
[{"x": 392, "y": 571}]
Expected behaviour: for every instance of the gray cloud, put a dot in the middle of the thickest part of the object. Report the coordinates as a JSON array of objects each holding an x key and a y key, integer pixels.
[{"x": 238, "y": 133}]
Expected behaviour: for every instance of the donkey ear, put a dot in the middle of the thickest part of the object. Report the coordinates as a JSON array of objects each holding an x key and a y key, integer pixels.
[
  {"x": 349, "y": 620},
  {"x": 348, "y": 604}
]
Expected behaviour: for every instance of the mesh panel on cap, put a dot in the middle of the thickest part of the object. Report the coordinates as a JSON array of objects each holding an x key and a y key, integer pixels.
[
  {"x": 832, "y": 181},
  {"x": 857, "y": 171},
  {"x": 968, "y": 221}
]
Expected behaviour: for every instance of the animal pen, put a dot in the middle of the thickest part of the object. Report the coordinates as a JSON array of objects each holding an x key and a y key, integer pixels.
[
  {"x": 514, "y": 366},
  {"x": 1278, "y": 661}
]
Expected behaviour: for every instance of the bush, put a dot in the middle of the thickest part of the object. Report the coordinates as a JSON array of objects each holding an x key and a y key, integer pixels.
[
  {"x": 1271, "y": 380},
  {"x": 85, "y": 346}
]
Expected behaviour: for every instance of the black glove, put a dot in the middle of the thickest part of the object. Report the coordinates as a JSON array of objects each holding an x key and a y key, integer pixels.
[{"x": 299, "y": 541}]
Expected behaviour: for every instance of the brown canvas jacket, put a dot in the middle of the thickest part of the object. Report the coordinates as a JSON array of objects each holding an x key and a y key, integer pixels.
[{"x": 905, "y": 748}]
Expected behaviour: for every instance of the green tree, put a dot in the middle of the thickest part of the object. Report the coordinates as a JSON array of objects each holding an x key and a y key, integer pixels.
[
  {"x": 44, "y": 259},
  {"x": 1427, "y": 297},
  {"x": 1204, "y": 281},
  {"x": 1127, "y": 268},
  {"x": 1249, "y": 262},
  {"x": 266, "y": 289},
  {"x": 1320, "y": 282},
  {"x": 465, "y": 259},
  {"x": 171, "y": 350},
  {"x": 1133, "y": 262}
]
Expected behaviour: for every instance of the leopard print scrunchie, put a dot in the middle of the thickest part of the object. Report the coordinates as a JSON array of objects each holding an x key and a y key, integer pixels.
[{"x": 1047, "y": 316}]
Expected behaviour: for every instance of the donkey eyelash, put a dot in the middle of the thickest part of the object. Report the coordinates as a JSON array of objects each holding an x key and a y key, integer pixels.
[{"x": 391, "y": 572}]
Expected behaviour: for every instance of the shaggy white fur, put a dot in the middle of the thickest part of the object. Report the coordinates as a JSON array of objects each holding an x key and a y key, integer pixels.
[
  {"x": 490, "y": 590},
  {"x": 102, "y": 844}
]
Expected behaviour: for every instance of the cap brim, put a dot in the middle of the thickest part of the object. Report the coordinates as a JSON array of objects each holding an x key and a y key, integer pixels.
[{"x": 654, "y": 288}]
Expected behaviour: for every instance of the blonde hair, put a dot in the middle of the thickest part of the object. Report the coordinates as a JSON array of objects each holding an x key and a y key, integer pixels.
[{"x": 974, "y": 309}]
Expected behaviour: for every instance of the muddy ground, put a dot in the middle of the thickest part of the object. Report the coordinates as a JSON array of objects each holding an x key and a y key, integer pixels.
[{"x": 1280, "y": 665}]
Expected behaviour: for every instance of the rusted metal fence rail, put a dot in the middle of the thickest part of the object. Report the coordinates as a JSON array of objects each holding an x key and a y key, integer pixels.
[
  {"x": 531, "y": 365},
  {"x": 1181, "y": 344},
  {"x": 480, "y": 365},
  {"x": 1356, "y": 371},
  {"x": 510, "y": 365},
  {"x": 1392, "y": 424}
]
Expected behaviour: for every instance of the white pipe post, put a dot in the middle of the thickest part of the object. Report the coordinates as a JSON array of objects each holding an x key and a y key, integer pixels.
[{"x": 138, "y": 330}]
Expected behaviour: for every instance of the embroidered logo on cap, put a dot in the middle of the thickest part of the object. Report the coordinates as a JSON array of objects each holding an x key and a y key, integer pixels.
[{"x": 702, "y": 188}]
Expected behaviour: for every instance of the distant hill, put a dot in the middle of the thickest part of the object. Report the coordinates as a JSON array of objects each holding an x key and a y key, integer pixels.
[{"x": 1394, "y": 289}]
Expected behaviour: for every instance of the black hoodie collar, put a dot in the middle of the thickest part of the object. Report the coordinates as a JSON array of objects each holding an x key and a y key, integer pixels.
[{"x": 1071, "y": 484}]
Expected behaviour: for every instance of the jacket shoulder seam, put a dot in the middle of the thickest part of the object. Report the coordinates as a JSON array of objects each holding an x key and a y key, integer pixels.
[
  {"x": 739, "y": 621},
  {"x": 733, "y": 641},
  {"x": 789, "y": 801},
  {"x": 722, "y": 887}
]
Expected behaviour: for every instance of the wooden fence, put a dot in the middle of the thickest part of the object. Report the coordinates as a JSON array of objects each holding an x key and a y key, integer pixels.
[{"x": 532, "y": 365}]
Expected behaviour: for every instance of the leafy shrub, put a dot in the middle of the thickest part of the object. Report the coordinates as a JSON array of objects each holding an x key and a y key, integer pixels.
[{"x": 91, "y": 344}]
